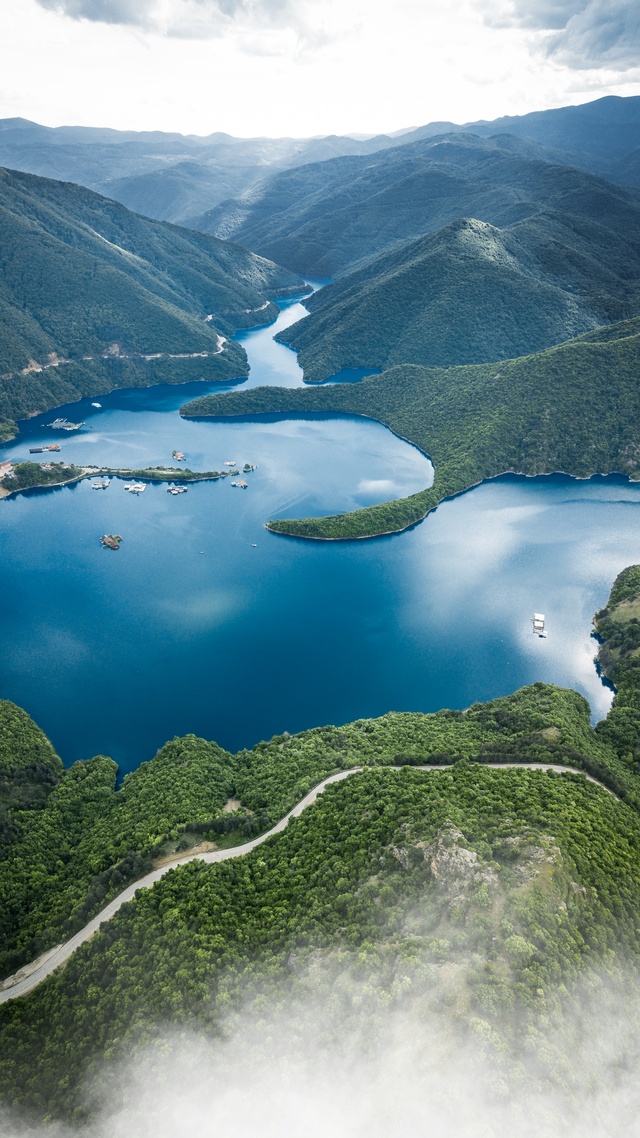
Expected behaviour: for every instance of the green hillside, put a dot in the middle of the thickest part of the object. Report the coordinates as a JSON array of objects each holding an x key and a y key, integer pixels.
[
  {"x": 326, "y": 219},
  {"x": 512, "y": 291},
  {"x": 81, "y": 276},
  {"x": 575, "y": 408},
  {"x": 477, "y": 896}
]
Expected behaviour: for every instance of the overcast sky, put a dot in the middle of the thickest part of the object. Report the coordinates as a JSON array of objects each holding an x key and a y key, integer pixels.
[{"x": 302, "y": 67}]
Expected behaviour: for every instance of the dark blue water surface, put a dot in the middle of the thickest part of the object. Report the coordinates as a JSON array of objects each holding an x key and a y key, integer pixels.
[{"x": 205, "y": 622}]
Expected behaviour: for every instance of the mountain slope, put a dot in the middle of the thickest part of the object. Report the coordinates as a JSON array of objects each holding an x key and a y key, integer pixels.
[
  {"x": 519, "y": 880},
  {"x": 163, "y": 175},
  {"x": 325, "y": 219},
  {"x": 472, "y": 293},
  {"x": 176, "y": 177},
  {"x": 81, "y": 276}
]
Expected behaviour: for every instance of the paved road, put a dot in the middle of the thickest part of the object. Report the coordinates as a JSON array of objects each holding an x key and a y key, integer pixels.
[{"x": 28, "y": 978}]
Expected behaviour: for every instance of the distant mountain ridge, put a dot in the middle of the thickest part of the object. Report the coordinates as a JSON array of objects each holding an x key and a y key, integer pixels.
[
  {"x": 178, "y": 177},
  {"x": 327, "y": 218}
]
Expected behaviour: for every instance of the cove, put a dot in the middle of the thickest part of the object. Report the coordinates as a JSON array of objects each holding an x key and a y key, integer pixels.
[{"x": 204, "y": 622}]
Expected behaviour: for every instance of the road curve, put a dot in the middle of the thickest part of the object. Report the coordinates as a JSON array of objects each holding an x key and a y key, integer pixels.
[{"x": 28, "y": 977}]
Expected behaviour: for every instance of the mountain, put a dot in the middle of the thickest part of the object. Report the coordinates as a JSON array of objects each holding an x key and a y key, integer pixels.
[
  {"x": 93, "y": 295},
  {"x": 471, "y": 293},
  {"x": 465, "y": 897},
  {"x": 177, "y": 177},
  {"x": 574, "y": 407},
  {"x": 597, "y": 134},
  {"x": 163, "y": 175},
  {"x": 327, "y": 218}
]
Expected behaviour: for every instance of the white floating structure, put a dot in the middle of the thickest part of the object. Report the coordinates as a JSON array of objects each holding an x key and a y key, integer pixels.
[{"x": 537, "y": 621}]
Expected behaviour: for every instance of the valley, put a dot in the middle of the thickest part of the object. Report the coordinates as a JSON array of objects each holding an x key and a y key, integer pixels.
[{"x": 338, "y": 791}]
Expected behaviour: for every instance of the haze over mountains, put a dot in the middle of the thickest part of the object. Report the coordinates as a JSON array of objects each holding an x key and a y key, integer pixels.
[{"x": 179, "y": 178}]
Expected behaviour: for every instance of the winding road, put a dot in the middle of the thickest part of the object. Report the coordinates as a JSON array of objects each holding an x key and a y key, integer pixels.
[{"x": 31, "y": 975}]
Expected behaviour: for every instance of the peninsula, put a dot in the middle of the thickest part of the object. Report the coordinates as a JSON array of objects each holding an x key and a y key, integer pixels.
[
  {"x": 573, "y": 408},
  {"x": 35, "y": 475}
]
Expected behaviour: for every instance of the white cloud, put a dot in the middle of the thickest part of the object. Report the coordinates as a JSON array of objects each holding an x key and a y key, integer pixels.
[
  {"x": 296, "y": 67},
  {"x": 593, "y": 35},
  {"x": 203, "y": 19}
]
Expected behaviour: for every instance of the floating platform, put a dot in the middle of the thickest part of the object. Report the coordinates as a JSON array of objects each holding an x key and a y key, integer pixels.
[
  {"x": 537, "y": 621},
  {"x": 111, "y": 540}
]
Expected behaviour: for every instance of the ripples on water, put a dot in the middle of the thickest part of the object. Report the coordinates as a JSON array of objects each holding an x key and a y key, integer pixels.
[{"x": 205, "y": 622}]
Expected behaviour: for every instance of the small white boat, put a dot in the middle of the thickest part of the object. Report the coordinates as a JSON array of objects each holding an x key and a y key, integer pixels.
[
  {"x": 537, "y": 621},
  {"x": 135, "y": 487},
  {"x": 232, "y": 463},
  {"x": 101, "y": 484},
  {"x": 96, "y": 404}
]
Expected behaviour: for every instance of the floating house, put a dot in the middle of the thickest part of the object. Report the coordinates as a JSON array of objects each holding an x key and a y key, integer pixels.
[{"x": 537, "y": 621}]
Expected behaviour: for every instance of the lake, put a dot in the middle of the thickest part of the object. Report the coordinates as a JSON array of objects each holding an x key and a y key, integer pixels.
[{"x": 204, "y": 622}]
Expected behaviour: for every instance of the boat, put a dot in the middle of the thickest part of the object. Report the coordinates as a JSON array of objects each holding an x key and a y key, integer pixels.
[
  {"x": 111, "y": 540},
  {"x": 176, "y": 490},
  {"x": 230, "y": 463},
  {"x": 101, "y": 484},
  {"x": 96, "y": 404},
  {"x": 36, "y": 450},
  {"x": 135, "y": 487},
  {"x": 537, "y": 621},
  {"x": 52, "y": 446},
  {"x": 64, "y": 425},
  {"x": 179, "y": 455}
]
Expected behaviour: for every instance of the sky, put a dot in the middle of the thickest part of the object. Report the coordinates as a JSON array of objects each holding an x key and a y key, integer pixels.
[{"x": 308, "y": 67}]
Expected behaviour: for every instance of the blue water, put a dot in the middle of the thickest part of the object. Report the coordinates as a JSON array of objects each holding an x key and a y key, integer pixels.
[{"x": 205, "y": 622}]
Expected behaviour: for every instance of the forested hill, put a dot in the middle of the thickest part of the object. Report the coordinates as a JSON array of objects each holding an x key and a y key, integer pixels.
[
  {"x": 519, "y": 880},
  {"x": 575, "y": 407},
  {"x": 325, "y": 218},
  {"x": 471, "y": 293},
  {"x": 81, "y": 276}
]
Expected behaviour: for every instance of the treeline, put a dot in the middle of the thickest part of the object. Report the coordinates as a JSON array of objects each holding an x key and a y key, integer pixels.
[
  {"x": 573, "y": 408},
  {"x": 26, "y": 475},
  {"x": 618, "y": 628},
  {"x": 516, "y": 879}
]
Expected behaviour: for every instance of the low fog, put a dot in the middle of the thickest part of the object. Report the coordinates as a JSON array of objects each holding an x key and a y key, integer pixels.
[{"x": 346, "y": 1067}]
